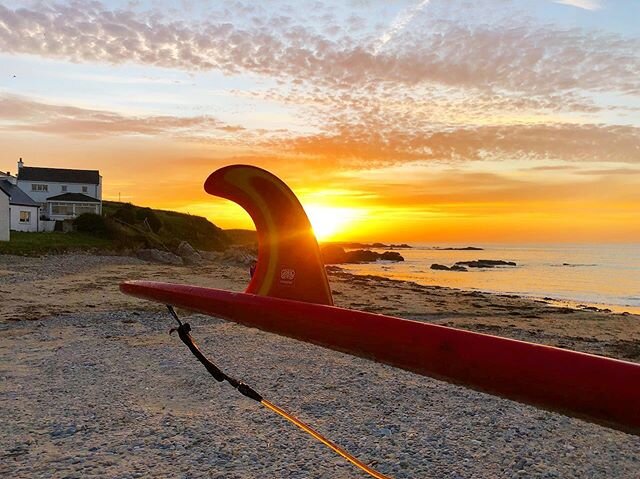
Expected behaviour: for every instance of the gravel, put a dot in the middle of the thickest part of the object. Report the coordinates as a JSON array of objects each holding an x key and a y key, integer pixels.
[
  {"x": 111, "y": 394},
  {"x": 23, "y": 268}
]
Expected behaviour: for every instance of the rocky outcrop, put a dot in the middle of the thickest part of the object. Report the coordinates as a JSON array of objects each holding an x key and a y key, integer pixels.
[
  {"x": 391, "y": 256},
  {"x": 333, "y": 254},
  {"x": 352, "y": 245},
  {"x": 157, "y": 256},
  {"x": 457, "y": 267},
  {"x": 188, "y": 254},
  {"x": 485, "y": 263},
  {"x": 442, "y": 267}
]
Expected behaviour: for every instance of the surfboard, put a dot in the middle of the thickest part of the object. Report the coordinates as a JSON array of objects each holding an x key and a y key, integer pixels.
[
  {"x": 289, "y": 295},
  {"x": 599, "y": 389}
]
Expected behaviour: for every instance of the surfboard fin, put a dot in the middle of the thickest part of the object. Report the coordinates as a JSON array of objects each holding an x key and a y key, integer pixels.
[{"x": 289, "y": 262}]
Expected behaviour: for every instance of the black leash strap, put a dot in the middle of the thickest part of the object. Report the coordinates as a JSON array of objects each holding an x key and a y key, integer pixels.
[{"x": 184, "y": 331}]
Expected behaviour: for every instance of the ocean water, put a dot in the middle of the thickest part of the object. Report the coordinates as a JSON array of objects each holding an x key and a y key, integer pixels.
[{"x": 596, "y": 275}]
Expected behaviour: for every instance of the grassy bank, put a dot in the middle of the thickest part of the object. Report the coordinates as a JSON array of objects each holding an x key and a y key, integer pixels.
[
  {"x": 31, "y": 244},
  {"x": 123, "y": 226},
  {"x": 164, "y": 228}
]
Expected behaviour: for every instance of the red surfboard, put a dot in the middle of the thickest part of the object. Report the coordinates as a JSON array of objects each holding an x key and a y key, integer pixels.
[{"x": 289, "y": 295}]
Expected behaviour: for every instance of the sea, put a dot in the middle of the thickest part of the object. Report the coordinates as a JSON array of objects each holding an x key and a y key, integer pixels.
[{"x": 602, "y": 275}]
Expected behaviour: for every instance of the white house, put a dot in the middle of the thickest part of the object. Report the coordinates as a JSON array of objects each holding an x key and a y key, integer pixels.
[
  {"x": 5, "y": 215},
  {"x": 24, "y": 213},
  {"x": 62, "y": 193}
]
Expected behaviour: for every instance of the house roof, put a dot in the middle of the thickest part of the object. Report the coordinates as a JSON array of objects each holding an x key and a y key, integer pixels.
[
  {"x": 75, "y": 197},
  {"x": 59, "y": 175},
  {"x": 16, "y": 195}
]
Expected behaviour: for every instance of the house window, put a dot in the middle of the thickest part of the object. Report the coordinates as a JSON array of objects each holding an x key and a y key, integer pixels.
[
  {"x": 86, "y": 208},
  {"x": 63, "y": 188},
  {"x": 36, "y": 187},
  {"x": 85, "y": 189},
  {"x": 61, "y": 209},
  {"x": 25, "y": 217}
]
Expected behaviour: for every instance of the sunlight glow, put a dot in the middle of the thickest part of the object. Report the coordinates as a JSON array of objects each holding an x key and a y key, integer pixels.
[{"x": 328, "y": 222}]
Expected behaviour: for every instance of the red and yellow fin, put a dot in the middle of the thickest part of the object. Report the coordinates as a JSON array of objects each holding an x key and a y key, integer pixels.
[{"x": 289, "y": 262}]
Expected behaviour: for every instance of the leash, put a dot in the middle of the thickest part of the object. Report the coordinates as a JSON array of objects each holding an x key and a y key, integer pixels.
[{"x": 184, "y": 330}]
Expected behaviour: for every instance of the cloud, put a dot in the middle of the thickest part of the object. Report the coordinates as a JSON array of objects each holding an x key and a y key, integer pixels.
[
  {"x": 518, "y": 58},
  {"x": 342, "y": 145},
  {"x": 362, "y": 146},
  {"x": 585, "y": 4},
  {"x": 399, "y": 23},
  {"x": 23, "y": 114}
]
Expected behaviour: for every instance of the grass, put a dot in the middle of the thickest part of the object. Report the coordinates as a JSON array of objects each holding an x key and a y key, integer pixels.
[
  {"x": 177, "y": 227},
  {"x": 34, "y": 244}
]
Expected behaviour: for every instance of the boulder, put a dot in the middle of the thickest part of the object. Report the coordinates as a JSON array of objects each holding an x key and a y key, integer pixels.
[
  {"x": 188, "y": 254},
  {"x": 157, "y": 256}
]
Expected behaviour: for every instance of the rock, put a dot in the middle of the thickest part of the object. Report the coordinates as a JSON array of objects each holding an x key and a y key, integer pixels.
[
  {"x": 391, "y": 256},
  {"x": 333, "y": 254},
  {"x": 485, "y": 263},
  {"x": 362, "y": 256},
  {"x": 188, "y": 254},
  {"x": 157, "y": 256},
  {"x": 211, "y": 255},
  {"x": 457, "y": 267},
  {"x": 440, "y": 267},
  {"x": 352, "y": 245},
  {"x": 240, "y": 255}
]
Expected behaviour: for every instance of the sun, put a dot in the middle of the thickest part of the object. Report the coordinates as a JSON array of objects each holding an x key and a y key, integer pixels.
[{"x": 329, "y": 221}]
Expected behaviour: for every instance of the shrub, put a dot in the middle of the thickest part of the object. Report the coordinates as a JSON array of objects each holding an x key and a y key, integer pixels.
[
  {"x": 148, "y": 214},
  {"x": 91, "y": 223},
  {"x": 126, "y": 213}
]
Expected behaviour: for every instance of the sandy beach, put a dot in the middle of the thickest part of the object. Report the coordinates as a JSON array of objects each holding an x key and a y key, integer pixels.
[{"x": 93, "y": 386}]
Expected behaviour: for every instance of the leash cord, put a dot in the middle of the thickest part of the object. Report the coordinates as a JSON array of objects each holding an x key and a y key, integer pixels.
[{"x": 184, "y": 330}]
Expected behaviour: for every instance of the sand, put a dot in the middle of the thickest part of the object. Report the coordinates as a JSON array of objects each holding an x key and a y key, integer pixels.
[{"x": 93, "y": 386}]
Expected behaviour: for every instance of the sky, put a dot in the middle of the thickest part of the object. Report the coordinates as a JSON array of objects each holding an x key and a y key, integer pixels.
[{"x": 433, "y": 121}]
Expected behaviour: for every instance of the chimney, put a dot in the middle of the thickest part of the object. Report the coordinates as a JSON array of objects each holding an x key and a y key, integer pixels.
[{"x": 20, "y": 164}]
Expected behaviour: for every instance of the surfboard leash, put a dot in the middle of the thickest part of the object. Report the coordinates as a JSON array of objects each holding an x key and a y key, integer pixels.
[{"x": 184, "y": 330}]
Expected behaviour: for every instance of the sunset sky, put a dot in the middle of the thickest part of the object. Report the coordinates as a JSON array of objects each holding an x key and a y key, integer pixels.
[{"x": 431, "y": 121}]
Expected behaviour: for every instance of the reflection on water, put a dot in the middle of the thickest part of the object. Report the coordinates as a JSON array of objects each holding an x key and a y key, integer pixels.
[{"x": 603, "y": 274}]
